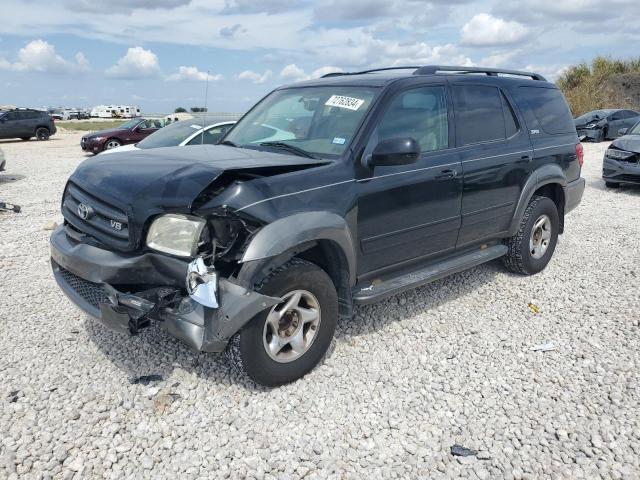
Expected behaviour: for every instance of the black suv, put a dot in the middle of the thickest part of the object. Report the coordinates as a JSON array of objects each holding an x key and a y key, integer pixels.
[
  {"x": 327, "y": 193},
  {"x": 26, "y": 123}
]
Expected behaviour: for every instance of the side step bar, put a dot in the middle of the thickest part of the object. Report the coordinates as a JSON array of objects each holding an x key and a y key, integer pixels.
[{"x": 373, "y": 292}]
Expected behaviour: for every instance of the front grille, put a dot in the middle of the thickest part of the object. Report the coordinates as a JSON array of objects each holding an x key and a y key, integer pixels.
[
  {"x": 101, "y": 220},
  {"x": 93, "y": 293}
]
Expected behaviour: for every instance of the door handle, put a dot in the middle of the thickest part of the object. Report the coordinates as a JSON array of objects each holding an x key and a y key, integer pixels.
[
  {"x": 446, "y": 174},
  {"x": 524, "y": 159}
]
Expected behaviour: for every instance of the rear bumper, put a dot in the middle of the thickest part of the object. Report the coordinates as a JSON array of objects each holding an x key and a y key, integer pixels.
[
  {"x": 620, "y": 172},
  {"x": 128, "y": 292},
  {"x": 573, "y": 194}
]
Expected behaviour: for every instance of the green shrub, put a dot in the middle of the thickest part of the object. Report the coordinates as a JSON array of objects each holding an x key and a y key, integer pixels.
[{"x": 592, "y": 87}]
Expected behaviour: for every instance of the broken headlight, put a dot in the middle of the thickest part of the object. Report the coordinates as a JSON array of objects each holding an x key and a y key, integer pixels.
[
  {"x": 176, "y": 234},
  {"x": 618, "y": 154}
]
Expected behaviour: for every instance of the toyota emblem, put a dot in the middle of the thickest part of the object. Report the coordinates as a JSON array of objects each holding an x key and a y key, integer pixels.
[{"x": 84, "y": 211}]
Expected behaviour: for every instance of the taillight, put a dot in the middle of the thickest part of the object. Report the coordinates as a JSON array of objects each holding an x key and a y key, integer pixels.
[{"x": 580, "y": 153}]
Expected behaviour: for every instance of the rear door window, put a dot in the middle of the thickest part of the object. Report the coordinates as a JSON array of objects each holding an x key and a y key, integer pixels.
[
  {"x": 479, "y": 114},
  {"x": 549, "y": 107}
]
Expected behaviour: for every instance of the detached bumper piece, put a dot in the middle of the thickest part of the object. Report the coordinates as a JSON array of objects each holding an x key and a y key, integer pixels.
[
  {"x": 191, "y": 302},
  {"x": 121, "y": 312}
]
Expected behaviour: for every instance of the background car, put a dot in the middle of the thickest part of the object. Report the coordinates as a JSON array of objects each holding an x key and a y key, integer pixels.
[
  {"x": 129, "y": 132},
  {"x": 600, "y": 125},
  {"x": 179, "y": 134},
  {"x": 25, "y": 124},
  {"x": 621, "y": 162}
]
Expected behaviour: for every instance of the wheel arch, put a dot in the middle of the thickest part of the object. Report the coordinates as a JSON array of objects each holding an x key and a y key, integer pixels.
[
  {"x": 547, "y": 181},
  {"x": 322, "y": 238}
]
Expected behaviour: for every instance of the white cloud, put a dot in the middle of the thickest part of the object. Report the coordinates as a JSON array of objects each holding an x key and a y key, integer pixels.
[
  {"x": 294, "y": 73},
  {"x": 500, "y": 59},
  {"x": 137, "y": 63},
  {"x": 486, "y": 30},
  {"x": 191, "y": 74},
  {"x": 255, "y": 77},
  {"x": 40, "y": 56}
]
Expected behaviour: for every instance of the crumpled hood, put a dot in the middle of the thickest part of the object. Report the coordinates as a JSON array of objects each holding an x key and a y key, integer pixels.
[
  {"x": 630, "y": 143},
  {"x": 170, "y": 178}
]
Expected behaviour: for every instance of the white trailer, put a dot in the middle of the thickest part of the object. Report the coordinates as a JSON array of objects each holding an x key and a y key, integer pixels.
[{"x": 115, "y": 111}]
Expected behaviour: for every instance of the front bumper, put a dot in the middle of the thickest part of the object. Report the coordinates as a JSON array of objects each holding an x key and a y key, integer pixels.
[
  {"x": 91, "y": 145},
  {"x": 593, "y": 134},
  {"x": 620, "y": 171},
  {"x": 128, "y": 292}
]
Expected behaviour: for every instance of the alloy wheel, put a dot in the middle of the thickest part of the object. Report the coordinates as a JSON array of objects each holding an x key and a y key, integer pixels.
[
  {"x": 292, "y": 326},
  {"x": 540, "y": 237}
]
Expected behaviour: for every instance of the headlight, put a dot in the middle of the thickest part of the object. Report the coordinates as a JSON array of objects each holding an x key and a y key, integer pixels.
[
  {"x": 618, "y": 154},
  {"x": 175, "y": 234},
  {"x": 591, "y": 125}
]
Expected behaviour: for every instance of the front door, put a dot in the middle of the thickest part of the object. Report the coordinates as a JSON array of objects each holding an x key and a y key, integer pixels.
[
  {"x": 10, "y": 127},
  {"x": 411, "y": 212}
]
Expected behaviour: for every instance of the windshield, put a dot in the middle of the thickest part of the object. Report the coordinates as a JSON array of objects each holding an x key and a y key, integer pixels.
[
  {"x": 635, "y": 130},
  {"x": 171, "y": 135},
  {"x": 320, "y": 121},
  {"x": 130, "y": 124}
]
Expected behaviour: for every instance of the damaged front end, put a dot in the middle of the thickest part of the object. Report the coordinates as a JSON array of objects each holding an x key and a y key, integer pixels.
[{"x": 197, "y": 299}]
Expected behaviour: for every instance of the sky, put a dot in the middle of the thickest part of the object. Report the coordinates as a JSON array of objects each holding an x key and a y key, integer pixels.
[{"x": 156, "y": 53}]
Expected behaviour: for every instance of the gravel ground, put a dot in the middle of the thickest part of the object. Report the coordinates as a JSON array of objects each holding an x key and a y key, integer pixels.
[{"x": 450, "y": 363}]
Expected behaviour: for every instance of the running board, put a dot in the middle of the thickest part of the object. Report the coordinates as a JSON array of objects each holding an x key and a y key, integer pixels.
[{"x": 374, "y": 291}]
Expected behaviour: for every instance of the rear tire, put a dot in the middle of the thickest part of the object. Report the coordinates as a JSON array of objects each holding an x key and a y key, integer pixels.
[
  {"x": 281, "y": 345},
  {"x": 42, "y": 133},
  {"x": 611, "y": 184},
  {"x": 532, "y": 247}
]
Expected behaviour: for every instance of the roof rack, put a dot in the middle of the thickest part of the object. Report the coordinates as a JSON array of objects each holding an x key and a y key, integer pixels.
[
  {"x": 434, "y": 69},
  {"x": 493, "y": 72}
]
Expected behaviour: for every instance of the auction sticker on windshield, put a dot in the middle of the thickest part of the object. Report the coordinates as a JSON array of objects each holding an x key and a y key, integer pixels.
[{"x": 344, "y": 102}]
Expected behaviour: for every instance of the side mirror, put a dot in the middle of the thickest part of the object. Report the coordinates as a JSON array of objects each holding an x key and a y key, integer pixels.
[
  {"x": 395, "y": 151},
  {"x": 622, "y": 131}
]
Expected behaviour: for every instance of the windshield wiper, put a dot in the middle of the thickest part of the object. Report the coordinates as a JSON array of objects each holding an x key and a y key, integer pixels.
[
  {"x": 290, "y": 148},
  {"x": 228, "y": 143}
]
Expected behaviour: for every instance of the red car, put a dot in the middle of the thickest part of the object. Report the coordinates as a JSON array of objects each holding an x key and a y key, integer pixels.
[{"x": 131, "y": 131}]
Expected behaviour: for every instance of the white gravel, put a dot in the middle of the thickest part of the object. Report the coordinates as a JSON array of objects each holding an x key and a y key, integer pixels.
[{"x": 450, "y": 363}]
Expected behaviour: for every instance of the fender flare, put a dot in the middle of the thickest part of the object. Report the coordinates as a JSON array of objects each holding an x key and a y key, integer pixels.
[
  {"x": 298, "y": 229},
  {"x": 549, "y": 173}
]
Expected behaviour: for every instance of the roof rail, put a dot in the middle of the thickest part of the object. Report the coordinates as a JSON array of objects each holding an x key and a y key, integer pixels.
[
  {"x": 373, "y": 70},
  {"x": 493, "y": 72},
  {"x": 433, "y": 69}
]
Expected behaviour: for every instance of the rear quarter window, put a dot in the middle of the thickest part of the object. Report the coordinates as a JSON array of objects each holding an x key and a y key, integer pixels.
[{"x": 549, "y": 108}]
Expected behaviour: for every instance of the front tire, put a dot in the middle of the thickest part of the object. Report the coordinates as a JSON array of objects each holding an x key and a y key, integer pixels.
[
  {"x": 285, "y": 342},
  {"x": 42, "y": 133},
  {"x": 112, "y": 143},
  {"x": 532, "y": 247}
]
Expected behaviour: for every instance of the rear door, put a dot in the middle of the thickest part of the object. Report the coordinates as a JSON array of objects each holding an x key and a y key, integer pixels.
[
  {"x": 410, "y": 213},
  {"x": 630, "y": 119},
  {"x": 496, "y": 155}
]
